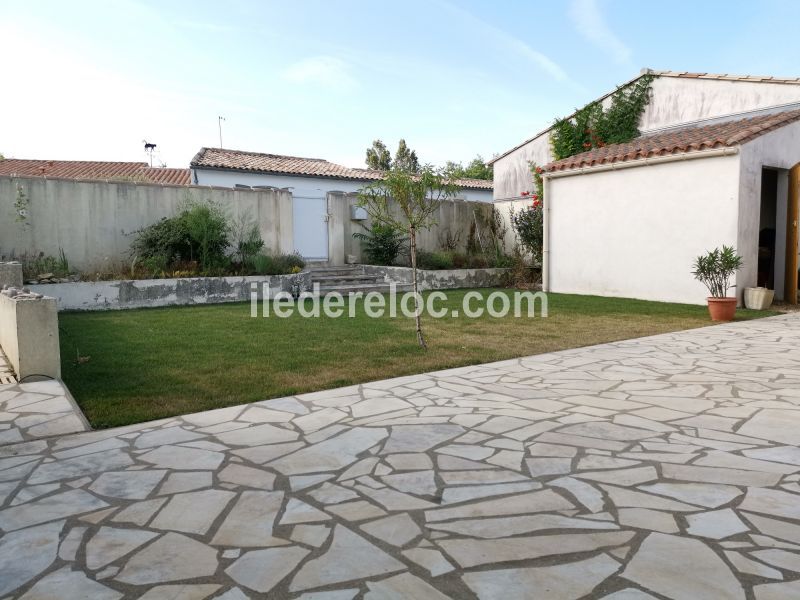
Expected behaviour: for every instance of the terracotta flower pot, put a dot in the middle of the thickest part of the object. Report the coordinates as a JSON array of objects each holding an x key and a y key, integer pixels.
[{"x": 722, "y": 309}]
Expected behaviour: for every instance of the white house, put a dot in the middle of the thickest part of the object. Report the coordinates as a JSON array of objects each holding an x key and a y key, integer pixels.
[
  {"x": 676, "y": 98},
  {"x": 310, "y": 181},
  {"x": 713, "y": 167}
]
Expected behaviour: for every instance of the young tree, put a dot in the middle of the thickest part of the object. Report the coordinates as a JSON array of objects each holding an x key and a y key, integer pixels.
[
  {"x": 408, "y": 201},
  {"x": 379, "y": 157},
  {"x": 405, "y": 158}
]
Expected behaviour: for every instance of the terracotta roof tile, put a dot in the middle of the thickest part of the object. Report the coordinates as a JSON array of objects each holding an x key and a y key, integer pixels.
[
  {"x": 84, "y": 169},
  {"x": 676, "y": 141},
  {"x": 258, "y": 162}
]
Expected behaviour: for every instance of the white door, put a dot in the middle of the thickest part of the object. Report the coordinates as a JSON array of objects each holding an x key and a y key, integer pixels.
[{"x": 311, "y": 227}]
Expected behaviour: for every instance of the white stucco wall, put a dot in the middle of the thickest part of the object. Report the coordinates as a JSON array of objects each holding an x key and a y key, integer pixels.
[
  {"x": 636, "y": 232},
  {"x": 312, "y": 187},
  {"x": 674, "y": 100},
  {"x": 779, "y": 149}
]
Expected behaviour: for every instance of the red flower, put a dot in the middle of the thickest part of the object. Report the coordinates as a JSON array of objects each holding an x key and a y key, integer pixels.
[
  {"x": 538, "y": 170},
  {"x": 524, "y": 193},
  {"x": 535, "y": 196},
  {"x": 536, "y": 203}
]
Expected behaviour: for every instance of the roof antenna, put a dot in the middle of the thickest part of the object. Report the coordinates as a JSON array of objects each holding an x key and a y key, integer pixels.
[
  {"x": 149, "y": 148},
  {"x": 219, "y": 123}
]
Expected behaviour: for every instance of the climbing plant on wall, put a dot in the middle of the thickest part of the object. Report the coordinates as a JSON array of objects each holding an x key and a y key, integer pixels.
[{"x": 594, "y": 127}]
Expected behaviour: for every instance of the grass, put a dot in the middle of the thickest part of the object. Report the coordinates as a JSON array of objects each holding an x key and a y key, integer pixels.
[{"x": 154, "y": 363}]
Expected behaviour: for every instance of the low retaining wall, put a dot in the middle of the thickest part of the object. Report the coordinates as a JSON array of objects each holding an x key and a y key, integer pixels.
[
  {"x": 146, "y": 293},
  {"x": 29, "y": 333},
  {"x": 443, "y": 279}
]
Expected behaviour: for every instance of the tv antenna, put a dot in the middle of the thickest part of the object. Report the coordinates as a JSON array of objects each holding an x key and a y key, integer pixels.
[
  {"x": 149, "y": 148},
  {"x": 219, "y": 124}
]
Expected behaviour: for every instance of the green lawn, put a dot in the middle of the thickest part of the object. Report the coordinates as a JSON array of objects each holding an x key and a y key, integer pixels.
[{"x": 153, "y": 363}]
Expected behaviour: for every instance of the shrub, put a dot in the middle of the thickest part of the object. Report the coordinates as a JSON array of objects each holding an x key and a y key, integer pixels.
[
  {"x": 383, "y": 243},
  {"x": 529, "y": 226},
  {"x": 277, "y": 264},
  {"x": 198, "y": 232},
  {"x": 33, "y": 266},
  {"x": 247, "y": 242},
  {"x": 434, "y": 261}
]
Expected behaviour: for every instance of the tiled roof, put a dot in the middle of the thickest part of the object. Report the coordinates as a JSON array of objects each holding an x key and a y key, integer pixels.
[
  {"x": 679, "y": 74},
  {"x": 258, "y": 162},
  {"x": 138, "y": 172},
  {"x": 677, "y": 141},
  {"x": 725, "y": 76}
]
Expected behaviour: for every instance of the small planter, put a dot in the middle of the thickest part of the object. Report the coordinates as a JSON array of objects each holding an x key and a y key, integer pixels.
[
  {"x": 722, "y": 309},
  {"x": 758, "y": 298}
]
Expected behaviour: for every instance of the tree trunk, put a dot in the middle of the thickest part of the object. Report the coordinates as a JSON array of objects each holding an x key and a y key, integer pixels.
[{"x": 418, "y": 309}]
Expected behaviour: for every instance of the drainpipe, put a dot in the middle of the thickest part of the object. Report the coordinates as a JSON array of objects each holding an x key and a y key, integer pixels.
[{"x": 546, "y": 234}]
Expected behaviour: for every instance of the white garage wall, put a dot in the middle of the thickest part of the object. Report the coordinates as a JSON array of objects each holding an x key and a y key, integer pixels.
[
  {"x": 635, "y": 232},
  {"x": 779, "y": 149}
]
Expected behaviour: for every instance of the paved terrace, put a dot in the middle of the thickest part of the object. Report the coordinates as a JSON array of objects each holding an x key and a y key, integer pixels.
[{"x": 665, "y": 467}]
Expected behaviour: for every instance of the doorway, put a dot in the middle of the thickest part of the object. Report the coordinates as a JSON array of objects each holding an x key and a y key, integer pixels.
[
  {"x": 770, "y": 261},
  {"x": 310, "y": 228}
]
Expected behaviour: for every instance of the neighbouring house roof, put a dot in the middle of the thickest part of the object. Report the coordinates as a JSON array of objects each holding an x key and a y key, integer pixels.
[
  {"x": 678, "y": 141},
  {"x": 279, "y": 164},
  {"x": 138, "y": 172},
  {"x": 678, "y": 74}
]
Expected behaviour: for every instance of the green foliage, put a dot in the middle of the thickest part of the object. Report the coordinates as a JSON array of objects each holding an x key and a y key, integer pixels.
[
  {"x": 382, "y": 243},
  {"x": 405, "y": 158},
  {"x": 33, "y": 266},
  {"x": 379, "y": 157},
  {"x": 247, "y": 242},
  {"x": 475, "y": 169},
  {"x": 21, "y": 207},
  {"x": 409, "y": 201},
  {"x": 593, "y": 127},
  {"x": 434, "y": 261},
  {"x": 528, "y": 224},
  {"x": 277, "y": 264},
  {"x": 715, "y": 269},
  {"x": 198, "y": 233}
]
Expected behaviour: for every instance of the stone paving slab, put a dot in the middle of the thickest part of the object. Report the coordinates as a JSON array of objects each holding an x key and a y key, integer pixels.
[
  {"x": 664, "y": 467},
  {"x": 37, "y": 409}
]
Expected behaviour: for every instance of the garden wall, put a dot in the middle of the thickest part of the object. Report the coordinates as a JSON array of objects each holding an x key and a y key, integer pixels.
[
  {"x": 441, "y": 280},
  {"x": 94, "y": 221},
  {"x": 145, "y": 293}
]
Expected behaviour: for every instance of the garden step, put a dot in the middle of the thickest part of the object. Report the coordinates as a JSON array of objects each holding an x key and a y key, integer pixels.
[
  {"x": 355, "y": 277},
  {"x": 383, "y": 288}
]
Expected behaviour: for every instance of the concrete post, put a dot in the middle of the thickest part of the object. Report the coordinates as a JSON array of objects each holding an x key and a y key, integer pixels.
[
  {"x": 29, "y": 334},
  {"x": 11, "y": 274}
]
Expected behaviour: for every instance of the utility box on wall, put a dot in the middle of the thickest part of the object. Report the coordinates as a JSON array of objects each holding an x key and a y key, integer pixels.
[{"x": 358, "y": 213}]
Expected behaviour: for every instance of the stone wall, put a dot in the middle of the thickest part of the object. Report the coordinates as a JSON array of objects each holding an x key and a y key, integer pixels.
[
  {"x": 110, "y": 295},
  {"x": 443, "y": 279}
]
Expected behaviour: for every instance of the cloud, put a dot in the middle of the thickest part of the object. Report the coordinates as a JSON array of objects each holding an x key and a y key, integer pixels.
[
  {"x": 591, "y": 24},
  {"x": 510, "y": 43},
  {"x": 327, "y": 71}
]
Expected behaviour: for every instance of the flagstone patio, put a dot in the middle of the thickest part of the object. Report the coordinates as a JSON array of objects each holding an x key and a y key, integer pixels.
[{"x": 664, "y": 467}]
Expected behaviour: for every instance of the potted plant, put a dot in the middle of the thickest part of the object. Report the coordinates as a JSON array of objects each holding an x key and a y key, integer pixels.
[{"x": 715, "y": 270}]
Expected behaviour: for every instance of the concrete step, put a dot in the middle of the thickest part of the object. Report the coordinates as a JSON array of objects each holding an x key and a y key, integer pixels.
[
  {"x": 382, "y": 288},
  {"x": 345, "y": 278}
]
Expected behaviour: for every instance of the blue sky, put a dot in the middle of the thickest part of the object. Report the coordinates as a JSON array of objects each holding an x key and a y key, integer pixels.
[{"x": 91, "y": 80}]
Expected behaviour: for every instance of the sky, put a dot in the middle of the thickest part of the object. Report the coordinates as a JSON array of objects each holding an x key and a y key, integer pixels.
[{"x": 84, "y": 80}]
